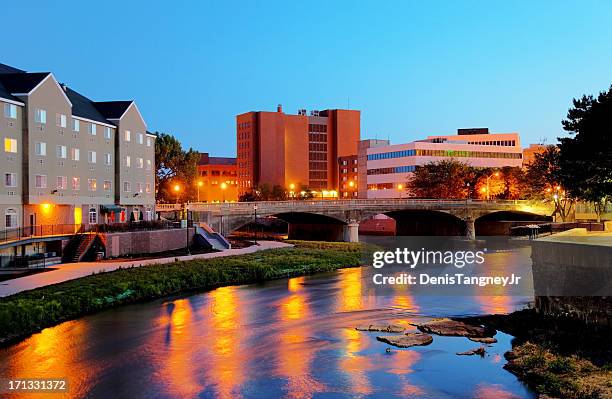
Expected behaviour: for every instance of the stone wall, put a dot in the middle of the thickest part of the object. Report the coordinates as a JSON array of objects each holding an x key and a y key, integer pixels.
[
  {"x": 145, "y": 242},
  {"x": 572, "y": 274}
]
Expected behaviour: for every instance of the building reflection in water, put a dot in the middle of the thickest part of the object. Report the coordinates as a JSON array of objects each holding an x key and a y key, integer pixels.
[
  {"x": 296, "y": 348},
  {"x": 51, "y": 354}
]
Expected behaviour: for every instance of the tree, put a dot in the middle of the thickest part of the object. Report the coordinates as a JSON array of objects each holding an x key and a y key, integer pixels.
[
  {"x": 544, "y": 181},
  {"x": 175, "y": 166},
  {"x": 443, "y": 179},
  {"x": 585, "y": 159},
  {"x": 490, "y": 183}
]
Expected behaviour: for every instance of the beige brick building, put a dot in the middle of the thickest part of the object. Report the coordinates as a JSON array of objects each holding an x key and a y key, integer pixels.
[{"x": 68, "y": 160}]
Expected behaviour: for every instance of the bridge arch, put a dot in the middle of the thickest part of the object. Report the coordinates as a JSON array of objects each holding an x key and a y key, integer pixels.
[
  {"x": 500, "y": 222},
  {"x": 426, "y": 222}
]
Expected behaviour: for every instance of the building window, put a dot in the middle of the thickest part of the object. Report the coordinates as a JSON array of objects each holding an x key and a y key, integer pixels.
[
  {"x": 148, "y": 164},
  {"x": 60, "y": 120},
  {"x": 10, "y": 180},
  {"x": 92, "y": 184},
  {"x": 40, "y": 116},
  {"x": 75, "y": 154},
  {"x": 128, "y": 161},
  {"x": 108, "y": 159},
  {"x": 62, "y": 151},
  {"x": 148, "y": 188},
  {"x": 108, "y": 185},
  {"x": 40, "y": 181},
  {"x": 10, "y": 111},
  {"x": 140, "y": 137},
  {"x": 127, "y": 186},
  {"x": 93, "y": 216},
  {"x": 62, "y": 182},
  {"x": 10, "y": 145},
  {"x": 107, "y": 133},
  {"x": 76, "y": 125},
  {"x": 127, "y": 135},
  {"x": 76, "y": 183},
  {"x": 41, "y": 149},
  {"x": 10, "y": 218},
  {"x": 148, "y": 141},
  {"x": 92, "y": 129},
  {"x": 92, "y": 157},
  {"x": 139, "y": 163}
]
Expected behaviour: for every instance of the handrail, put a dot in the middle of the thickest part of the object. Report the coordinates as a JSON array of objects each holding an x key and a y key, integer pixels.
[{"x": 37, "y": 231}]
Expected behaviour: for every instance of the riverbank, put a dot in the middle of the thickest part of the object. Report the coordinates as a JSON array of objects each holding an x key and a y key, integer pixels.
[
  {"x": 557, "y": 357},
  {"x": 28, "y": 312}
]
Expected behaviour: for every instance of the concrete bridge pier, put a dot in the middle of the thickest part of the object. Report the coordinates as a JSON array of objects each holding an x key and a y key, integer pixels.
[
  {"x": 470, "y": 229},
  {"x": 351, "y": 232}
]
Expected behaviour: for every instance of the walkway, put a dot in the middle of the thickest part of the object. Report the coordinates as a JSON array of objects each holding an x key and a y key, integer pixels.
[{"x": 71, "y": 271}]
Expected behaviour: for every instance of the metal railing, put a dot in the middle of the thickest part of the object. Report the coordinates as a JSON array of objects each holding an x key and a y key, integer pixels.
[
  {"x": 20, "y": 233},
  {"x": 330, "y": 204}
]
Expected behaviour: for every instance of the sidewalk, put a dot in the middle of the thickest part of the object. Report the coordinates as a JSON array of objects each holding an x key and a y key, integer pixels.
[{"x": 71, "y": 271}]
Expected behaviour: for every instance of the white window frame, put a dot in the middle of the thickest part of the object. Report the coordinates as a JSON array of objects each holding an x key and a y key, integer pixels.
[
  {"x": 61, "y": 151},
  {"x": 108, "y": 185},
  {"x": 92, "y": 184},
  {"x": 107, "y": 133},
  {"x": 127, "y": 187},
  {"x": 11, "y": 218},
  {"x": 149, "y": 141},
  {"x": 108, "y": 159},
  {"x": 12, "y": 145},
  {"x": 149, "y": 164},
  {"x": 139, "y": 163},
  {"x": 62, "y": 183},
  {"x": 128, "y": 161},
  {"x": 76, "y": 125},
  {"x": 40, "y": 148},
  {"x": 91, "y": 157},
  {"x": 139, "y": 188},
  {"x": 42, "y": 183},
  {"x": 76, "y": 183},
  {"x": 148, "y": 188},
  {"x": 127, "y": 135},
  {"x": 10, "y": 179},
  {"x": 92, "y": 215},
  {"x": 92, "y": 129},
  {"x": 75, "y": 154},
  {"x": 40, "y": 116},
  {"x": 140, "y": 138},
  {"x": 61, "y": 120},
  {"x": 10, "y": 111}
]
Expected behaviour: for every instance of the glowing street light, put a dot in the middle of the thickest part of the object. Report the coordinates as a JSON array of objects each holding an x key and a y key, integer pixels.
[
  {"x": 177, "y": 190},
  {"x": 488, "y": 190},
  {"x": 291, "y": 190},
  {"x": 223, "y": 187},
  {"x": 200, "y": 184}
]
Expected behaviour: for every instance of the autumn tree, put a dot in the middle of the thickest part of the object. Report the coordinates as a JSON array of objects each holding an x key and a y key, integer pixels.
[
  {"x": 442, "y": 179},
  {"x": 175, "y": 166}
]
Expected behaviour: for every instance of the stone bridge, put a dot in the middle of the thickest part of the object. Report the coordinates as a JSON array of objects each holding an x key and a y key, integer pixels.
[{"x": 345, "y": 215}]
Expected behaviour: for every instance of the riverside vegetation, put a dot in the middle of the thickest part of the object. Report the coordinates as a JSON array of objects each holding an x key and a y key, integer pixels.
[{"x": 28, "y": 312}]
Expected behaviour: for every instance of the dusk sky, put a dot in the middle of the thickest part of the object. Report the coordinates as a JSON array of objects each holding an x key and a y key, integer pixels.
[{"x": 412, "y": 68}]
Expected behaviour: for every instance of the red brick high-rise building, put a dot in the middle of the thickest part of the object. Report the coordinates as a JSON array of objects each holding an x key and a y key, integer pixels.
[{"x": 294, "y": 151}]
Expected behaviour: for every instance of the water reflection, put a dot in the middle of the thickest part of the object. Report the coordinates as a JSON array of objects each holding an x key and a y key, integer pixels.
[{"x": 289, "y": 338}]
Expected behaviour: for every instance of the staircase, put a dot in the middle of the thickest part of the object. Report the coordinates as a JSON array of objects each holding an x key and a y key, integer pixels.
[
  {"x": 77, "y": 247},
  {"x": 209, "y": 238}
]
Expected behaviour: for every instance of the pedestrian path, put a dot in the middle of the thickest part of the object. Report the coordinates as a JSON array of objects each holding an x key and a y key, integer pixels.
[{"x": 71, "y": 271}]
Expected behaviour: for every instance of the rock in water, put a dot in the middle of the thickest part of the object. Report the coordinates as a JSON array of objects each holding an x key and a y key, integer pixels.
[
  {"x": 390, "y": 328},
  {"x": 452, "y": 328},
  {"x": 483, "y": 340},
  {"x": 407, "y": 340},
  {"x": 476, "y": 351}
]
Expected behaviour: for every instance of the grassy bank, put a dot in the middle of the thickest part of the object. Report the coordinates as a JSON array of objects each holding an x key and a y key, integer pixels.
[
  {"x": 561, "y": 358},
  {"x": 31, "y": 311}
]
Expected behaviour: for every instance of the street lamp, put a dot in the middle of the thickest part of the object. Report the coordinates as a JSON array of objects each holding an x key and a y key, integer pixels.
[
  {"x": 177, "y": 189},
  {"x": 255, "y": 209},
  {"x": 223, "y": 187},
  {"x": 200, "y": 184},
  {"x": 400, "y": 187}
]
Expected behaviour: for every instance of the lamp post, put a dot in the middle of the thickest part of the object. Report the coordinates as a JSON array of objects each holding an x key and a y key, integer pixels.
[
  {"x": 291, "y": 190},
  {"x": 223, "y": 187},
  {"x": 177, "y": 189},
  {"x": 255, "y": 209},
  {"x": 200, "y": 184},
  {"x": 187, "y": 228},
  {"x": 400, "y": 187}
]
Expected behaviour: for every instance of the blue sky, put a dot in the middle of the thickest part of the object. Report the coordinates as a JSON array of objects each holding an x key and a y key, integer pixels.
[{"x": 412, "y": 68}]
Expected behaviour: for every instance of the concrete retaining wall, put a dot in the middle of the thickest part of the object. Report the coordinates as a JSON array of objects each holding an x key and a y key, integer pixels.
[
  {"x": 572, "y": 274},
  {"x": 145, "y": 242}
]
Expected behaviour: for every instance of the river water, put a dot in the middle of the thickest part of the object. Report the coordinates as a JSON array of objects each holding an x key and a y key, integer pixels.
[{"x": 287, "y": 338}]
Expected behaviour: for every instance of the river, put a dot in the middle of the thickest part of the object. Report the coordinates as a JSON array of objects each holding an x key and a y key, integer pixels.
[{"x": 287, "y": 338}]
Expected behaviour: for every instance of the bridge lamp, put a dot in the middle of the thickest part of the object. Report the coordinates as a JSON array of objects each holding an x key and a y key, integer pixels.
[
  {"x": 223, "y": 187},
  {"x": 400, "y": 186},
  {"x": 177, "y": 189},
  {"x": 291, "y": 188},
  {"x": 200, "y": 184}
]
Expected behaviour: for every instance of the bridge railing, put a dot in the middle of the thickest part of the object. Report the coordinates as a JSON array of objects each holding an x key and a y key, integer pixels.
[{"x": 342, "y": 204}]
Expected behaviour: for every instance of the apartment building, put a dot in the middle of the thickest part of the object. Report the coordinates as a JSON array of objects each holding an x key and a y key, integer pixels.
[
  {"x": 388, "y": 167},
  {"x": 294, "y": 150},
  {"x": 529, "y": 153},
  {"x": 61, "y": 155},
  {"x": 218, "y": 179}
]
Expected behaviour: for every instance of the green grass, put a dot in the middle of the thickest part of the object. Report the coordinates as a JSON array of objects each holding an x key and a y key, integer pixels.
[{"x": 27, "y": 312}]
